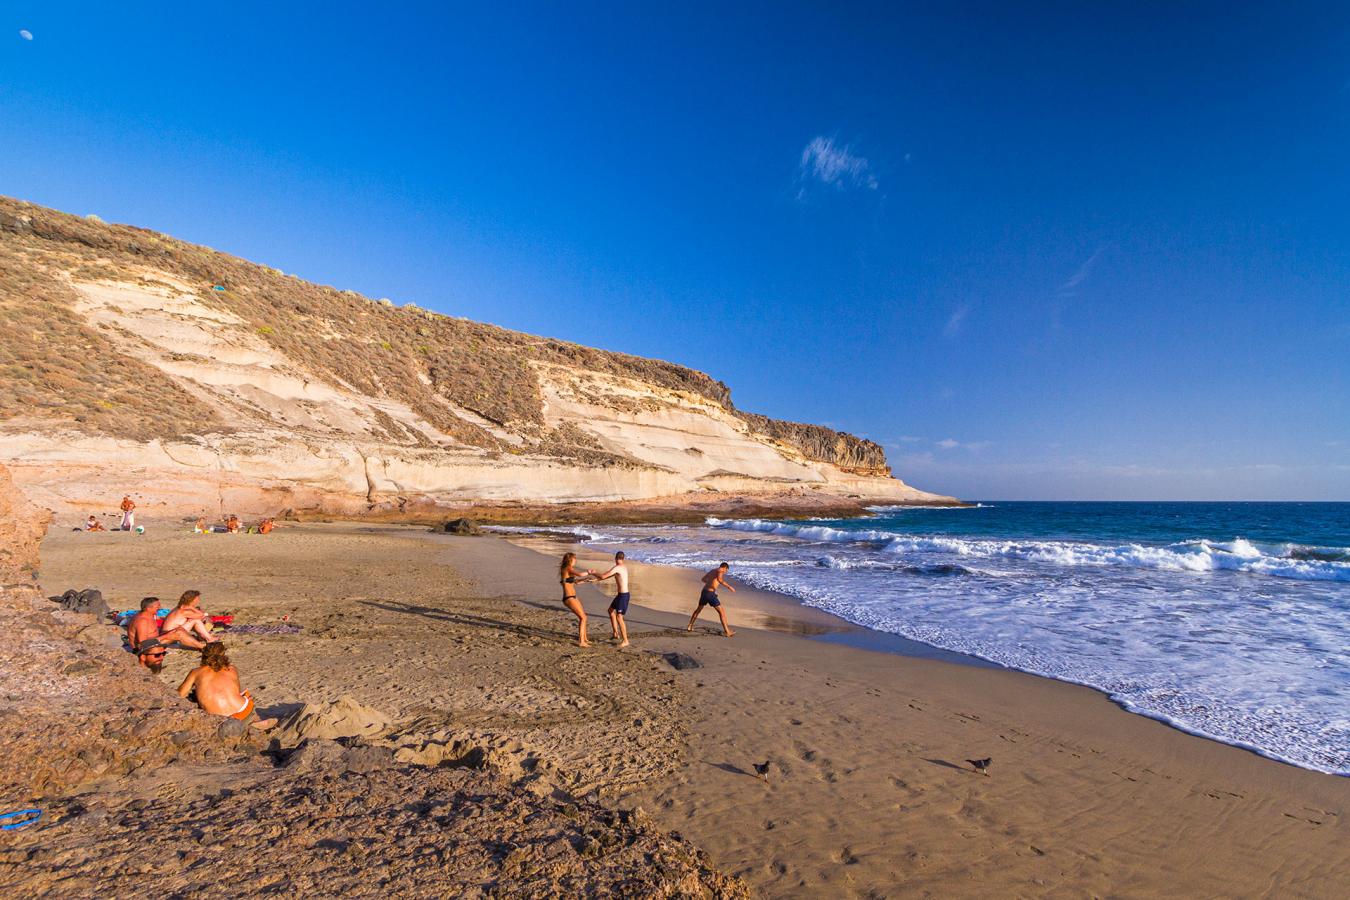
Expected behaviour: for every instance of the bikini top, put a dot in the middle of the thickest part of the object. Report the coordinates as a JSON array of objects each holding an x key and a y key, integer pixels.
[{"x": 570, "y": 579}]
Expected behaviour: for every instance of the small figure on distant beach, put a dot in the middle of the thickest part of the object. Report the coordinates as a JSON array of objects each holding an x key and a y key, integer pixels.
[
  {"x": 711, "y": 582},
  {"x": 94, "y": 525},
  {"x": 619, "y": 607},
  {"x": 189, "y": 616},
  {"x": 232, "y": 524},
  {"x": 570, "y": 576},
  {"x": 216, "y": 685},
  {"x": 128, "y": 513}
]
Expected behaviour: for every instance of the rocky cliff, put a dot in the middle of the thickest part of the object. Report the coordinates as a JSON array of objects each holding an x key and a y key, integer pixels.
[{"x": 206, "y": 384}]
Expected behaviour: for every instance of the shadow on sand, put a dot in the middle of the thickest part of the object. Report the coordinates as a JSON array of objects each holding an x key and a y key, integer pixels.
[{"x": 459, "y": 618}]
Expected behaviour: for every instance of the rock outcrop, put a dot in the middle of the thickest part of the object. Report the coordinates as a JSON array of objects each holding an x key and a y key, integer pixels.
[
  {"x": 208, "y": 384},
  {"x": 74, "y": 706}
]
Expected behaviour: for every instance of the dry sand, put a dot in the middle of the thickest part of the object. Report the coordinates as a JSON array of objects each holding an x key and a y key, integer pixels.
[{"x": 869, "y": 793}]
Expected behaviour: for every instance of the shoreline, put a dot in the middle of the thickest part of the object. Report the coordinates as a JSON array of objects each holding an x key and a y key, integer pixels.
[
  {"x": 836, "y": 629},
  {"x": 868, "y": 791}
]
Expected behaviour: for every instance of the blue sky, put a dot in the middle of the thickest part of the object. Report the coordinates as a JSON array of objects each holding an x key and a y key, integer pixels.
[{"x": 1041, "y": 252}]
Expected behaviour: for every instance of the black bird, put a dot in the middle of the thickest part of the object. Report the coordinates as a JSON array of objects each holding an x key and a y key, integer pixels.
[
  {"x": 762, "y": 770},
  {"x": 981, "y": 765}
]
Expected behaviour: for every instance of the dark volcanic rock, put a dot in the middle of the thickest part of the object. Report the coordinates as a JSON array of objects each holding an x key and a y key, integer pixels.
[
  {"x": 461, "y": 526},
  {"x": 399, "y": 832},
  {"x": 681, "y": 661}
]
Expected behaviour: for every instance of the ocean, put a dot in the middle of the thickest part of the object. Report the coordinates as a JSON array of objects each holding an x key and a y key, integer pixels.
[{"x": 1228, "y": 620}]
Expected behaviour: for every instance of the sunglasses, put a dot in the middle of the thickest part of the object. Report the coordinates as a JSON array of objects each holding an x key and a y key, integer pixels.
[{"x": 159, "y": 655}]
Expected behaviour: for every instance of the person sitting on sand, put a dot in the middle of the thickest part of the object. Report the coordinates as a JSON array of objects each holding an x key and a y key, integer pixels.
[
  {"x": 145, "y": 626},
  {"x": 199, "y": 527},
  {"x": 94, "y": 525},
  {"x": 151, "y": 655},
  {"x": 232, "y": 524},
  {"x": 189, "y": 616},
  {"x": 128, "y": 513},
  {"x": 216, "y": 686},
  {"x": 619, "y": 607},
  {"x": 711, "y": 581},
  {"x": 266, "y": 526},
  {"x": 569, "y": 576}
]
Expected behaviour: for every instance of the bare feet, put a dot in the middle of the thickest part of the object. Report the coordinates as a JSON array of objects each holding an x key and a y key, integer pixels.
[
  {"x": 263, "y": 724},
  {"x": 583, "y": 643},
  {"x": 728, "y": 633},
  {"x": 624, "y": 644},
  {"x": 690, "y": 628}
]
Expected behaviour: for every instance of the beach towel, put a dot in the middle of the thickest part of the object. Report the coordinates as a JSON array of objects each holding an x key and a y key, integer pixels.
[{"x": 279, "y": 628}]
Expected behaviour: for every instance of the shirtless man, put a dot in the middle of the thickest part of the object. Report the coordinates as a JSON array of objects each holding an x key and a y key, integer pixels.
[
  {"x": 619, "y": 608},
  {"x": 94, "y": 525},
  {"x": 144, "y": 626},
  {"x": 128, "y": 513},
  {"x": 216, "y": 682},
  {"x": 190, "y": 617},
  {"x": 232, "y": 524},
  {"x": 711, "y": 582}
]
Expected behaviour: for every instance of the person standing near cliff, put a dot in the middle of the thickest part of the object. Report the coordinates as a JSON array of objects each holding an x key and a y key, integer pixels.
[
  {"x": 569, "y": 576},
  {"x": 619, "y": 607},
  {"x": 128, "y": 513},
  {"x": 711, "y": 582}
]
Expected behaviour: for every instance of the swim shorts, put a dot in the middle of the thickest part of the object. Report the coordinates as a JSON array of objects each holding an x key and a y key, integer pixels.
[
  {"x": 620, "y": 604},
  {"x": 709, "y": 598}
]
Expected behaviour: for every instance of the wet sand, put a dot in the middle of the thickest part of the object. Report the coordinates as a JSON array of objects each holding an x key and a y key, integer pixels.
[{"x": 869, "y": 793}]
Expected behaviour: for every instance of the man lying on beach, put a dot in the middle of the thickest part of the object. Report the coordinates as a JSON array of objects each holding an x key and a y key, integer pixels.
[
  {"x": 619, "y": 608},
  {"x": 216, "y": 686},
  {"x": 189, "y": 616},
  {"x": 711, "y": 582},
  {"x": 145, "y": 626}
]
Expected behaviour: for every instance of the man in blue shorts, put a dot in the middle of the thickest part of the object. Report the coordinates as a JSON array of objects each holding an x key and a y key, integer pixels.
[
  {"x": 619, "y": 608},
  {"x": 711, "y": 582}
]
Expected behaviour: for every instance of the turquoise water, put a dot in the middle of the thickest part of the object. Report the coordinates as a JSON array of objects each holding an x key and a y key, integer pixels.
[{"x": 1230, "y": 620}]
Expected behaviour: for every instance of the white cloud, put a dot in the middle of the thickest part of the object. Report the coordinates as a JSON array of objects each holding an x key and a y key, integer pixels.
[
  {"x": 1070, "y": 287},
  {"x": 952, "y": 444},
  {"x": 25, "y": 34},
  {"x": 953, "y": 326},
  {"x": 827, "y": 162}
]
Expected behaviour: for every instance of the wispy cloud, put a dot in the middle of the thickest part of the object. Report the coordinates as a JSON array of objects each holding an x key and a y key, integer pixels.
[
  {"x": 954, "y": 321},
  {"x": 838, "y": 166},
  {"x": 1070, "y": 287},
  {"x": 953, "y": 444}
]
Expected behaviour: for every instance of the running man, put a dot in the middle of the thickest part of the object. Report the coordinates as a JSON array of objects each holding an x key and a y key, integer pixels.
[
  {"x": 128, "y": 513},
  {"x": 619, "y": 608},
  {"x": 711, "y": 582},
  {"x": 216, "y": 683}
]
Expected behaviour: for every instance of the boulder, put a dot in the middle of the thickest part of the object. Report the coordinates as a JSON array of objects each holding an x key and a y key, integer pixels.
[
  {"x": 343, "y": 718},
  {"x": 681, "y": 661},
  {"x": 461, "y": 526}
]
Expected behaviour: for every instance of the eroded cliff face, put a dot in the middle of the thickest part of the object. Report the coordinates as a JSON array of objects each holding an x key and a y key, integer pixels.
[{"x": 207, "y": 384}]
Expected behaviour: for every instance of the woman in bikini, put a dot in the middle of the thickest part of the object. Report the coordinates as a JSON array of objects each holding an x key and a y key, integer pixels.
[{"x": 569, "y": 576}]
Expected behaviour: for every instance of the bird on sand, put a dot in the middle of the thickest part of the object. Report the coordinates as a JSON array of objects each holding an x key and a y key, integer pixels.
[
  {"x": 762, "y": 770},
  {"x": 981, "y": 765}
]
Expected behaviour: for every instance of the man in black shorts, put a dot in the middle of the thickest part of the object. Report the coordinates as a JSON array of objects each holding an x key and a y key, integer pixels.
[
  {"x": 619, "y": 608},
  {"x": 711, "y": 582}
]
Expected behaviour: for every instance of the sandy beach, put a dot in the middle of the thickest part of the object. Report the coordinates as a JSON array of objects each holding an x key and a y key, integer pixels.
[{"x": 463, "y": 639}]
